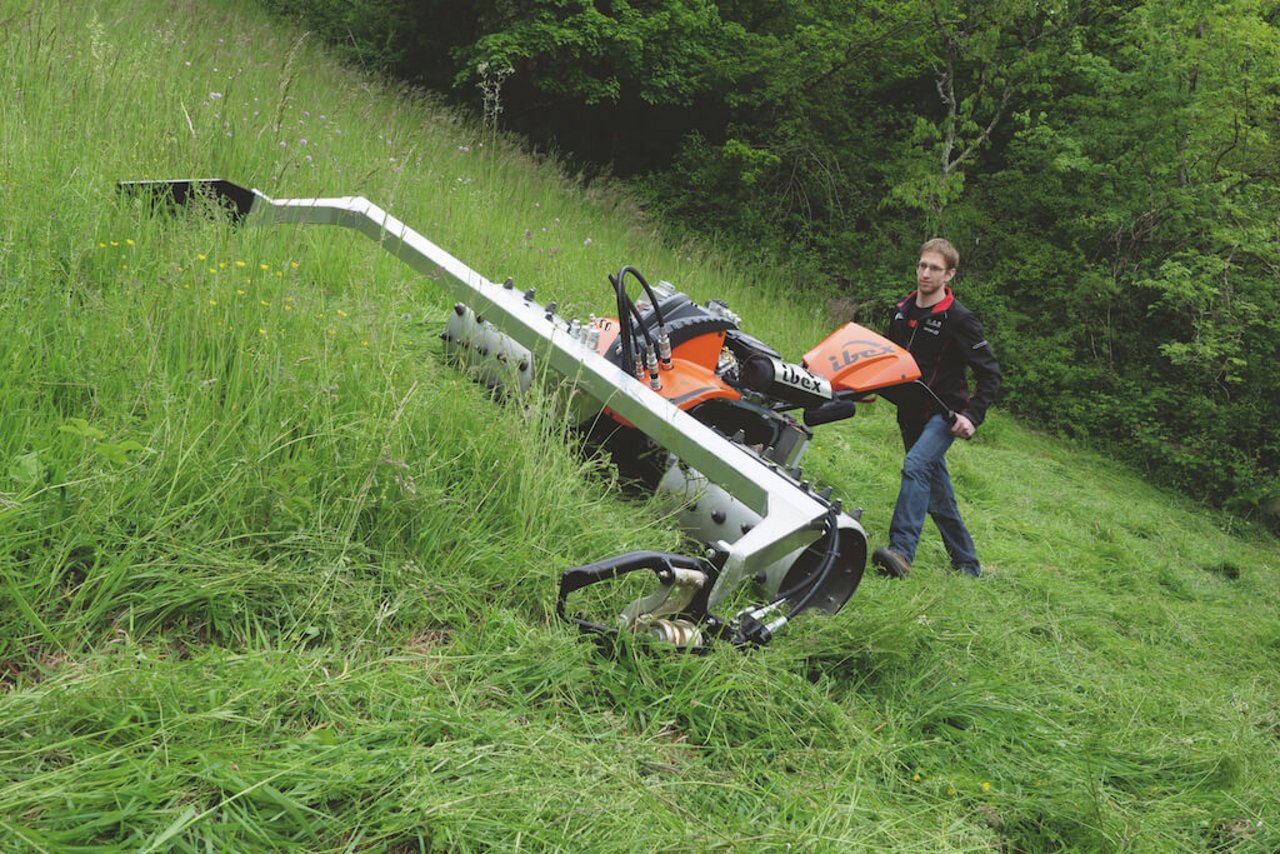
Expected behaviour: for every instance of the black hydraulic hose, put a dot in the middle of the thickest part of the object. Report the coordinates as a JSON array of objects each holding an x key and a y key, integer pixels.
[
  {"x": 663, "y": 348},
  {"x": 819, "y": 577},
  {"x": 644, "y": 330},
  {"x": 625, "y": 343},
  {"x": 752, "y": 629},
  {"x": 629, "y": 319},
  {"x": 653, "y": 298}
]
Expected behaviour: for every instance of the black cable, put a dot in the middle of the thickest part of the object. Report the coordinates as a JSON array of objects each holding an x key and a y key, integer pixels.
[
  {"x": 819, "y": 576},
  {"x": 628, "y": 315},
  {"x": 625, "y": 344},
  {"x": 653, "y": 298},
  {"x": 824, "y": 570},
  {"x": 630, "y": 304},
  {"x": 752, "y": 630},
  {"x": 643, "y": 328}
]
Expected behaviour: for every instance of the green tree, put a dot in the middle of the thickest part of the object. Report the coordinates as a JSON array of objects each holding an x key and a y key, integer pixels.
[
  {"x": 1137, "y": 213},
  {"x": 980, "y": 56}
]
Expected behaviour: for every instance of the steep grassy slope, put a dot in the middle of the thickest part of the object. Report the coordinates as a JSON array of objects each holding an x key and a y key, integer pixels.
[{"x": 272, "y": 576}]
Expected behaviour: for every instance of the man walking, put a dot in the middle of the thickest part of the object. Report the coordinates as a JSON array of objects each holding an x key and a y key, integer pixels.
[{"x": 946, "y": 339}]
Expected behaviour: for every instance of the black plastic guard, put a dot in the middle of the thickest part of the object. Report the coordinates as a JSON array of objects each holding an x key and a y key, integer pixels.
[{"x": 237, "y": 200}]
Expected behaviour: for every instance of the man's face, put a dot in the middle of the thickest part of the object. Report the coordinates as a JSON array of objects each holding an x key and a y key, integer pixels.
[{"x": 932, "y": 273}]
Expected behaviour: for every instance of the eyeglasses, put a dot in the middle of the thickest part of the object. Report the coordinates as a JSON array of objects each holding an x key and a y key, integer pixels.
[{"x": 932, "y": 268}]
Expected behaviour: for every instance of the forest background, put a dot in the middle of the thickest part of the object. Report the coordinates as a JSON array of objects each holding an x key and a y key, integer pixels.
[{"x": 1108, "y": 171}]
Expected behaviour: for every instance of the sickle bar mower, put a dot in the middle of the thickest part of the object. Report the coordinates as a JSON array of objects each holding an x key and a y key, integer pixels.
[{"x": 686, "y": 402}]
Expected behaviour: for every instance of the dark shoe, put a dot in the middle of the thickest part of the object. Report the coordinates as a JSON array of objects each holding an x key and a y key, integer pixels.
[
  {"x": 973, "y": 570},
  {"x": 890, "y": 563}
]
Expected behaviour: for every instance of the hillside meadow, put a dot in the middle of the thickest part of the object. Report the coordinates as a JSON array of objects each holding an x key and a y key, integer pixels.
[{"x": 274, "y": 577}]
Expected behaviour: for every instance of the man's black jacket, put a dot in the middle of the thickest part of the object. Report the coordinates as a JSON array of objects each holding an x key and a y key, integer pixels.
[{"x": 944, "y": 339}]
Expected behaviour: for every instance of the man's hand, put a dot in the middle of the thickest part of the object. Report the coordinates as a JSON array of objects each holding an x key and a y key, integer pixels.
[{"x": 962, "y": 427}]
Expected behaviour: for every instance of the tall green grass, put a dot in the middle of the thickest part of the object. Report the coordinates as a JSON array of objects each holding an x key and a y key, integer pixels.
[{"x": 272, "y": 576}]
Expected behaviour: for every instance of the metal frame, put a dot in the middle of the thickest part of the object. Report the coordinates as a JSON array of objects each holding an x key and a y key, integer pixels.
[{"x": 792, "y": 516}]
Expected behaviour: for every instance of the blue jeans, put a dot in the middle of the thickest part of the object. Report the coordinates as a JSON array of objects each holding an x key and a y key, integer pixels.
[{"x": 926, "y": 488}]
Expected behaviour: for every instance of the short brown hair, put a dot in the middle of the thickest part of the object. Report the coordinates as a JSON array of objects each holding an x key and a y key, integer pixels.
[{"x": 944, "y": 248}]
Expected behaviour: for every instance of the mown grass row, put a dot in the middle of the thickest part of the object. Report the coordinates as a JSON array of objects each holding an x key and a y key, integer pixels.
[{"x": 272, "y": 575}]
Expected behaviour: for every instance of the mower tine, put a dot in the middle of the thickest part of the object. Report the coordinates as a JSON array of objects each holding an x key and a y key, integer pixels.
[{"x": 236, "y": 200}]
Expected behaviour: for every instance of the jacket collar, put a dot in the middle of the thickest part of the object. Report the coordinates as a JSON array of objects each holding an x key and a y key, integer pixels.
[{"x": 937, "y": 308}]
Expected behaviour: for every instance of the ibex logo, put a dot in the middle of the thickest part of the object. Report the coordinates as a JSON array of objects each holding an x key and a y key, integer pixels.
[
  {"x": 796, "y": 377},
  {"x": 855, "y": 351}
]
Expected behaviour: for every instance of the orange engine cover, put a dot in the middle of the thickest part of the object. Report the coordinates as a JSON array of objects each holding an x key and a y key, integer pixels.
[
  {"x": 854, "y": 358},
  {"x": 692, "y": 378}
]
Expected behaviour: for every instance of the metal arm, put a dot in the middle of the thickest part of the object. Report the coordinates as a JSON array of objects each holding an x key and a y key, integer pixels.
[{"x": 791, "y": 516}]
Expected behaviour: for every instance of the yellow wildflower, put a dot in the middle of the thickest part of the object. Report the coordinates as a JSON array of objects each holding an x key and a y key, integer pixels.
[
  {"x": 264, "y": 266},
  {"x": 239, "y": 263},
  {"x": 129, "y": 240},
  {"x": 986, "y": 787}
]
